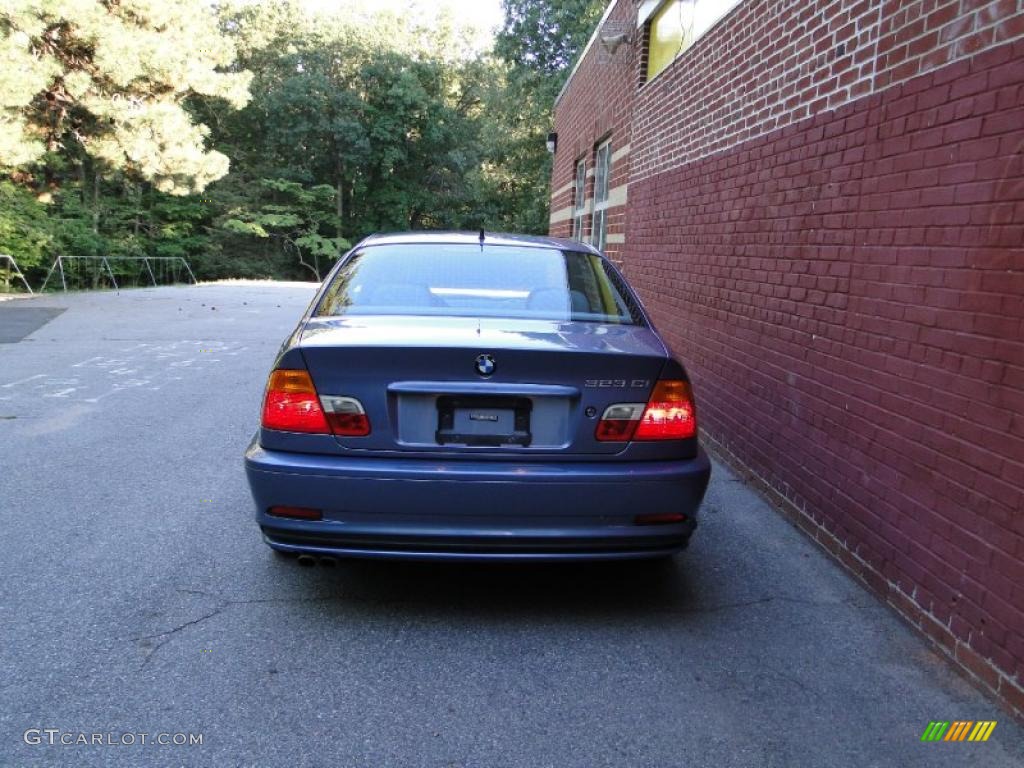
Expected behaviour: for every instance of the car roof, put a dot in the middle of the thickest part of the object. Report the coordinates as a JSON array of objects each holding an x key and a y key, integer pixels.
[{"x": 473, "y": 238}]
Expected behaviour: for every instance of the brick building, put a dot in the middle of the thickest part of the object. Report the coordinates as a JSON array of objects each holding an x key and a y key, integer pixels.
[{"x": 821, "y": 203}]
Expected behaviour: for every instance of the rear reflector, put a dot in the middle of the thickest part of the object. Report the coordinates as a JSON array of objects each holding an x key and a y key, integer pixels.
[
  {"x": 300, "y": 513},
  {"x": 668, "y": 415},
  {"x": 666, "y": 518}
]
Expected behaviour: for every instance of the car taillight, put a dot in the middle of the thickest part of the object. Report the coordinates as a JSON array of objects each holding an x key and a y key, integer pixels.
[
  {"x": 292, "y": 405},
  {"x": 346, "y": 416},
  {"x": 668, "y": 415},
  {"x": 618, "y": 422}
]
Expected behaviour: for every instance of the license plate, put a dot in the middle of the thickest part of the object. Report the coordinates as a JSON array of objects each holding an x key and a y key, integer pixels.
[{"x": 483, "y": 421}]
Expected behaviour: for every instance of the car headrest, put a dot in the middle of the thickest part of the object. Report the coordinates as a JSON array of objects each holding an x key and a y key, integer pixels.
[{"x": 554, "y": 300}]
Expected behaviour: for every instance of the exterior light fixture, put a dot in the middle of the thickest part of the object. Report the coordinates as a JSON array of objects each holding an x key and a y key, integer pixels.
[
  {"x": 612, "y": 41},
  {"x": 552, "y": 142}
]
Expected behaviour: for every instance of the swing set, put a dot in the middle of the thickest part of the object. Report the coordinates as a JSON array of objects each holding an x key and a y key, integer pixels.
[
  {"x": 11, "y": 270},
  {"x": 96, "y": 269}
]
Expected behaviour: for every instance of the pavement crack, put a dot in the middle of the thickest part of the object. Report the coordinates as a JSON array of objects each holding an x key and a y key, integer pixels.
[
  {"x": 180, "y": 627},
  {"x": 167, "y": 635},
  {"x": 797, "y": 682},
  {"x": 222, "y": 605}
]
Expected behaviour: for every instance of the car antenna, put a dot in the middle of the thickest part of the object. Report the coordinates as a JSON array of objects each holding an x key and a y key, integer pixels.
[{"x": 481, "y": 238}]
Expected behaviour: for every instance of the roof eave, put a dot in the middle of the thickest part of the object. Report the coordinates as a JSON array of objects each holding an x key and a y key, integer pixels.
[{"x": 586, "y": 49}]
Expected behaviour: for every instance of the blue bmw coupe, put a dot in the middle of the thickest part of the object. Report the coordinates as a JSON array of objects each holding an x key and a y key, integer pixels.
[{"x": 491, "y": 397}]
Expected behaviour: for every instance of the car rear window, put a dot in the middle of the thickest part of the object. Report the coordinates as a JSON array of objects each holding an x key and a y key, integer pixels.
[{"x": 479, "y": 281}]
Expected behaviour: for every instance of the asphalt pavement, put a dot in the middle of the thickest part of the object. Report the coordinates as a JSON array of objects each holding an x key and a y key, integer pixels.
[{"x": 136, "y": 597}]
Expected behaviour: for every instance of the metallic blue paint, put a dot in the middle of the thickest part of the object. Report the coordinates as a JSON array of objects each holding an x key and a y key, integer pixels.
[
  {"x": 396, "y": 494},
  {"x": 468, "y": 509}
]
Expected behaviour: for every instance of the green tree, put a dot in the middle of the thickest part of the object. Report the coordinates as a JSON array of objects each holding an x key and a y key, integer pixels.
[
  {"x": 25, "y": 230},
  {"x": 385, "y": 114},
  {"x": 297, "y": 218},
  {"x": 538, "y": 46},
  {"x": 544, "y": 37},
  {"x": 107, "y": 80},
  {"x": 117, "y": 119}
]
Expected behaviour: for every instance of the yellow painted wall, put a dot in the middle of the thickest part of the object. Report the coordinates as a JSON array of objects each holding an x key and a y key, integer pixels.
[
  {"x": 666, "y": 38},
  {"x": 677, "y": 25}
]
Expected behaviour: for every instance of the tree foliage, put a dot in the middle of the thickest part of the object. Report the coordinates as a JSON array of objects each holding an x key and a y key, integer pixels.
[
  {"x": 107, "y": 79},
  {"x": 543, "y": 37},
  {"x": 118, "y": 119},
  {"x": 296, "y": 217},
  {"x": 538, "y": 45},
  {"x": 385, "y": 115},
  {"x": 25, "y": 230}
]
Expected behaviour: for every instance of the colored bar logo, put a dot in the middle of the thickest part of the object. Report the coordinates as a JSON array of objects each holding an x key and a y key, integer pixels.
[{"x": 958, "y": 730}]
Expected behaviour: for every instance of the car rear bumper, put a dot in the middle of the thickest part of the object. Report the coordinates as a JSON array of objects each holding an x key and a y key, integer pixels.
[{"x": 475, "y": 510}]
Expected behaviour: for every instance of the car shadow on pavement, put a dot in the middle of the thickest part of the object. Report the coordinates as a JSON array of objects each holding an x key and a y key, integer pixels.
[{"x": 540, "y": 589}]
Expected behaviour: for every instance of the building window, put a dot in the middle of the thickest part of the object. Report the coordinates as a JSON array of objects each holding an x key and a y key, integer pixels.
[
  {"x": 579, "y": 208},
  {"x": 676, "y": 25},
  {"x": 602, "y": 178}
]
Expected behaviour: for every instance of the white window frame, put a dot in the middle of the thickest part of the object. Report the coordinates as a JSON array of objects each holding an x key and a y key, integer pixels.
[
  {"x": 602, "y": 185},
  {"x": 579, "y": 203}
]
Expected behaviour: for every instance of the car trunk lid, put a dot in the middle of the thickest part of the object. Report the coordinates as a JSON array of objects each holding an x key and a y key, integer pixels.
[{"x": 419, "y": 381}]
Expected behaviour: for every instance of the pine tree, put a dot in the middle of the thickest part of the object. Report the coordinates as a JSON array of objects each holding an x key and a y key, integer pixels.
[{"x": 108, "y": 79}]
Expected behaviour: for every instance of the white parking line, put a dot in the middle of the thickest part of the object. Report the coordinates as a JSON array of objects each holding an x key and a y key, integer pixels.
[
  {"x": 143, "y": 365},
  {"x": 61, "y": 393},
  {"x": 22, "y": 381}
]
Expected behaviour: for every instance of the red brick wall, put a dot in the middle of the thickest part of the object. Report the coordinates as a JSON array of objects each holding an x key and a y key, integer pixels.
[
  {"x": 826, "y": 219},
  {"x": 771, "y": 63},
  {"x": 598, "y": 106}
]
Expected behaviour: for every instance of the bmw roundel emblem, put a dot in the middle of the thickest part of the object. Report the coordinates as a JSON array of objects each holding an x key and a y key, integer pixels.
[{"x": 485, "y": 365}]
